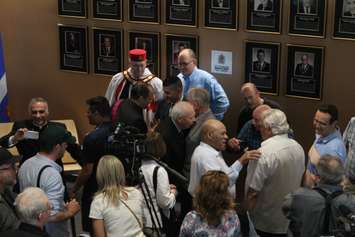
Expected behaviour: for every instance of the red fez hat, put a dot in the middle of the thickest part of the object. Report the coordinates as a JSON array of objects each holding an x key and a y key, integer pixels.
[{"x": 137, "y": 55}]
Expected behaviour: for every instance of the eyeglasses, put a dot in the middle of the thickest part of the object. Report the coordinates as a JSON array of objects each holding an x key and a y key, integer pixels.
[{"x": 184, "y": 63}]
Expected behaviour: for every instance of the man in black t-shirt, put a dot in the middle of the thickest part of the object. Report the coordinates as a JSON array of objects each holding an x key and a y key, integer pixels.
[{"x": 99, "y": 115}]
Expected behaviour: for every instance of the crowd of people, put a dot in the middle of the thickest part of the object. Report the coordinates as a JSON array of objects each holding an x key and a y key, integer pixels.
[{"x": 184, "y": 185}]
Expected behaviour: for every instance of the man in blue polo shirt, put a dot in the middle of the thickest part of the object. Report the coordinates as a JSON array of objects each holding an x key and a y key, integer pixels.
[
  {"x": 328, "y": 139},
  {"x": 193, "y": 77}
]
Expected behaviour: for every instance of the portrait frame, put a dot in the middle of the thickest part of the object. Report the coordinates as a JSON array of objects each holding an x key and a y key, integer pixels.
[
  {"x": 265, "y": 20},
  {"x": 174, "y": 44},
  {"x": 308, "y": 21},
  {"x": 107, "y": 10},
  {"x": 137, "y": 39},
  {"x": 214, "y": 14},
  {"x": 344, "y": 21},
  {"x": 305, "y": 71},
  {"x": 135, "y": 5},
  {"x": 181, "y": 14},
  {"x": 264, "y": 73},
  {"x": 73, "y": 48},
  {"x": 72, "y": 8},
  {"x": 108, "y": 53}
]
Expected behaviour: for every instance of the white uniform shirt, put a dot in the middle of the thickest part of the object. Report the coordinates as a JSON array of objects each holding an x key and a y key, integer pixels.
[
  {"x": 156, "y": 83},
  {"x": 206, "y": 158},
  {"x": 278, "y": 172}
]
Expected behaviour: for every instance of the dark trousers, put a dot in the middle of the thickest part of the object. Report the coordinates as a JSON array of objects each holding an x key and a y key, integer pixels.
[{"x": 265, "y": 234}]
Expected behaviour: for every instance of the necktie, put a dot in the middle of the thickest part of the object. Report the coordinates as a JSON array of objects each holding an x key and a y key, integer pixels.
[{"x": 187, "y": 85}]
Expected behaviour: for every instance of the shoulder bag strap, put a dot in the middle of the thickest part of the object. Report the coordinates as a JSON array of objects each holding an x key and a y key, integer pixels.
[
  {"x": 135, "y": 216},
  {"x": 39, "y": 175},
  {"x": 328, "y": 201},
  {"x": 155, "y": 178}
]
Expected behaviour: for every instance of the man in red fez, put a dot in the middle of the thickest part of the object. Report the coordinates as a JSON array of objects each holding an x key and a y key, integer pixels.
[{"x": 121, "y": 83}]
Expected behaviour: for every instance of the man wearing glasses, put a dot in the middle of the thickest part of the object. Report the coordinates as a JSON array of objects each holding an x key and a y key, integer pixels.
[
  {"x": 8, "y": 218},
  {"x": 193, "y": 77},
  {"x": 328, "y": 139}
]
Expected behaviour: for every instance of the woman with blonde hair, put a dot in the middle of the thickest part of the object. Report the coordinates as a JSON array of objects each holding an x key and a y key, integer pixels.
[
  {"x": 116, "y": 209},
  {"x": 214, "y": 213}
]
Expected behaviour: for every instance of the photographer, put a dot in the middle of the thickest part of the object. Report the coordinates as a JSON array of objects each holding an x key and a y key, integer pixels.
[
  {"x": 308, "y": 210},
  {"x": 161, "y": 192}
]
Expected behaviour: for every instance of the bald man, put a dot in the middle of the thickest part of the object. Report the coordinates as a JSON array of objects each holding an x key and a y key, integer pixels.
[
  {"x": 252, "y": 99},
  {"x": 250, "y": 133},
  {"x": 193, "y": 77},
  {"x": 208, "y": 155}
]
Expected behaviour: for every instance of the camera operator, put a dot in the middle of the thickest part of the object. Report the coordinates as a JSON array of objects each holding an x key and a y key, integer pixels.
[
  {"x": 309, "y": 212},
  {"x": 131, "y": 110},
  {"x": 161, "y": 192}
]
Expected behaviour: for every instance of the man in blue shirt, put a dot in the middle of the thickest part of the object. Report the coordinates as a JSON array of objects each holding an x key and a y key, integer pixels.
[
  {"x": 328, "y": 139},
  {"x": 193, "y": 77},
  {"x": 43, "y": 172}
]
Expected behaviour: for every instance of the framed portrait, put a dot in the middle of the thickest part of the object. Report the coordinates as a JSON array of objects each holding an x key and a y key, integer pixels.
[
  {"x": 181, "y": 12},
  {"x": 344, "y": 22},
  {"x": 264, "y": 16},
  {"x": 107, "y": 9},
  {"x": 72, "y": 8},
  {"x": 262, "y": 65},
  {"x": 144, "y": 11},
  {"x": 73, "y": 48},
  {"x": 108, "y": 45},
  {"x": 305, "y": 71},
  {"x": 307, "y": 18},
  {"x": 174, "y": 45},
  {"x": 149, "y": 42},
  {"x": 221, "y": 14}
]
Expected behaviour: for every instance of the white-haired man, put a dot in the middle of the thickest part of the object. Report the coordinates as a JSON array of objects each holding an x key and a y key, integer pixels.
[
  {"x": 278, "y": 172},
  {"x": 33, "y": 209}
]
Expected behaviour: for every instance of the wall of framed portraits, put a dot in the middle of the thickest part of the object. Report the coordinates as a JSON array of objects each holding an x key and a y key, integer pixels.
[{"x": 68, "y": 59}]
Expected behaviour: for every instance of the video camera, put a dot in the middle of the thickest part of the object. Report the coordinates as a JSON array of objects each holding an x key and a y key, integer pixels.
[
  {"x": 128, "y": 144},
  {"x": 131, "y": 146}
]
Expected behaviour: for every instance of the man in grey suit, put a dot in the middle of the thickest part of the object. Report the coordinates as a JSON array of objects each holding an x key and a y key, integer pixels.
[{"x": 200, "y": 100}]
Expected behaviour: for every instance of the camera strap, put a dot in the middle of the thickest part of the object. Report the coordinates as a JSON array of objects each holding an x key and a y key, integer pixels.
[{"x": 328, "y": 202}]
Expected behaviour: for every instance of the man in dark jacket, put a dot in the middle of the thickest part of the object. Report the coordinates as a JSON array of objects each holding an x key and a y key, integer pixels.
[
  {"x": 306, "y": 208},
  {"x": 34, "y": 208},
  {"x": 29, "y": 146},
  {"x": 8, "y": 218}
]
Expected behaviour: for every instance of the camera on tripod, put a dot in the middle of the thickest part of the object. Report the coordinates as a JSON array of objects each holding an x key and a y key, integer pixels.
[{"x": 129, "y": 145}]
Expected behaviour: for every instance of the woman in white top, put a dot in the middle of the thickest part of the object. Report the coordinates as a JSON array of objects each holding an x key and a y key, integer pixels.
[
  {"x": 162, "y": 193},
  {"x": 116, "y": 210}
]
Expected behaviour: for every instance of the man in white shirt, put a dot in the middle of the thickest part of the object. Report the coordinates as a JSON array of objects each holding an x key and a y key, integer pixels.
[
  {"x": 208, "y": 155},
  {"x": 278, "y": 172}
]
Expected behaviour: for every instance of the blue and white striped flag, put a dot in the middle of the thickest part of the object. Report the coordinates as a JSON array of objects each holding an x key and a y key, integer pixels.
[{"x": 4, "y": 117}]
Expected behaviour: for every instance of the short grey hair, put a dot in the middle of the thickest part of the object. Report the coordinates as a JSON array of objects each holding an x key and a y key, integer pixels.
[
  {"x": 180, "y": 109},
  {"x": 30, "y": 203},
  {"x": 330, "y": 170},
  {"x": 199, "y": 96},
  {"x": 37, "y": 100},
  {"x": 276, "y": 120}
]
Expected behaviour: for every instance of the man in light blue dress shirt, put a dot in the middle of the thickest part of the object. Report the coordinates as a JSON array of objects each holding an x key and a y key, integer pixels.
[
  {"x": 328, "y": 140},
  {"x": 193, "y": 77}
]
